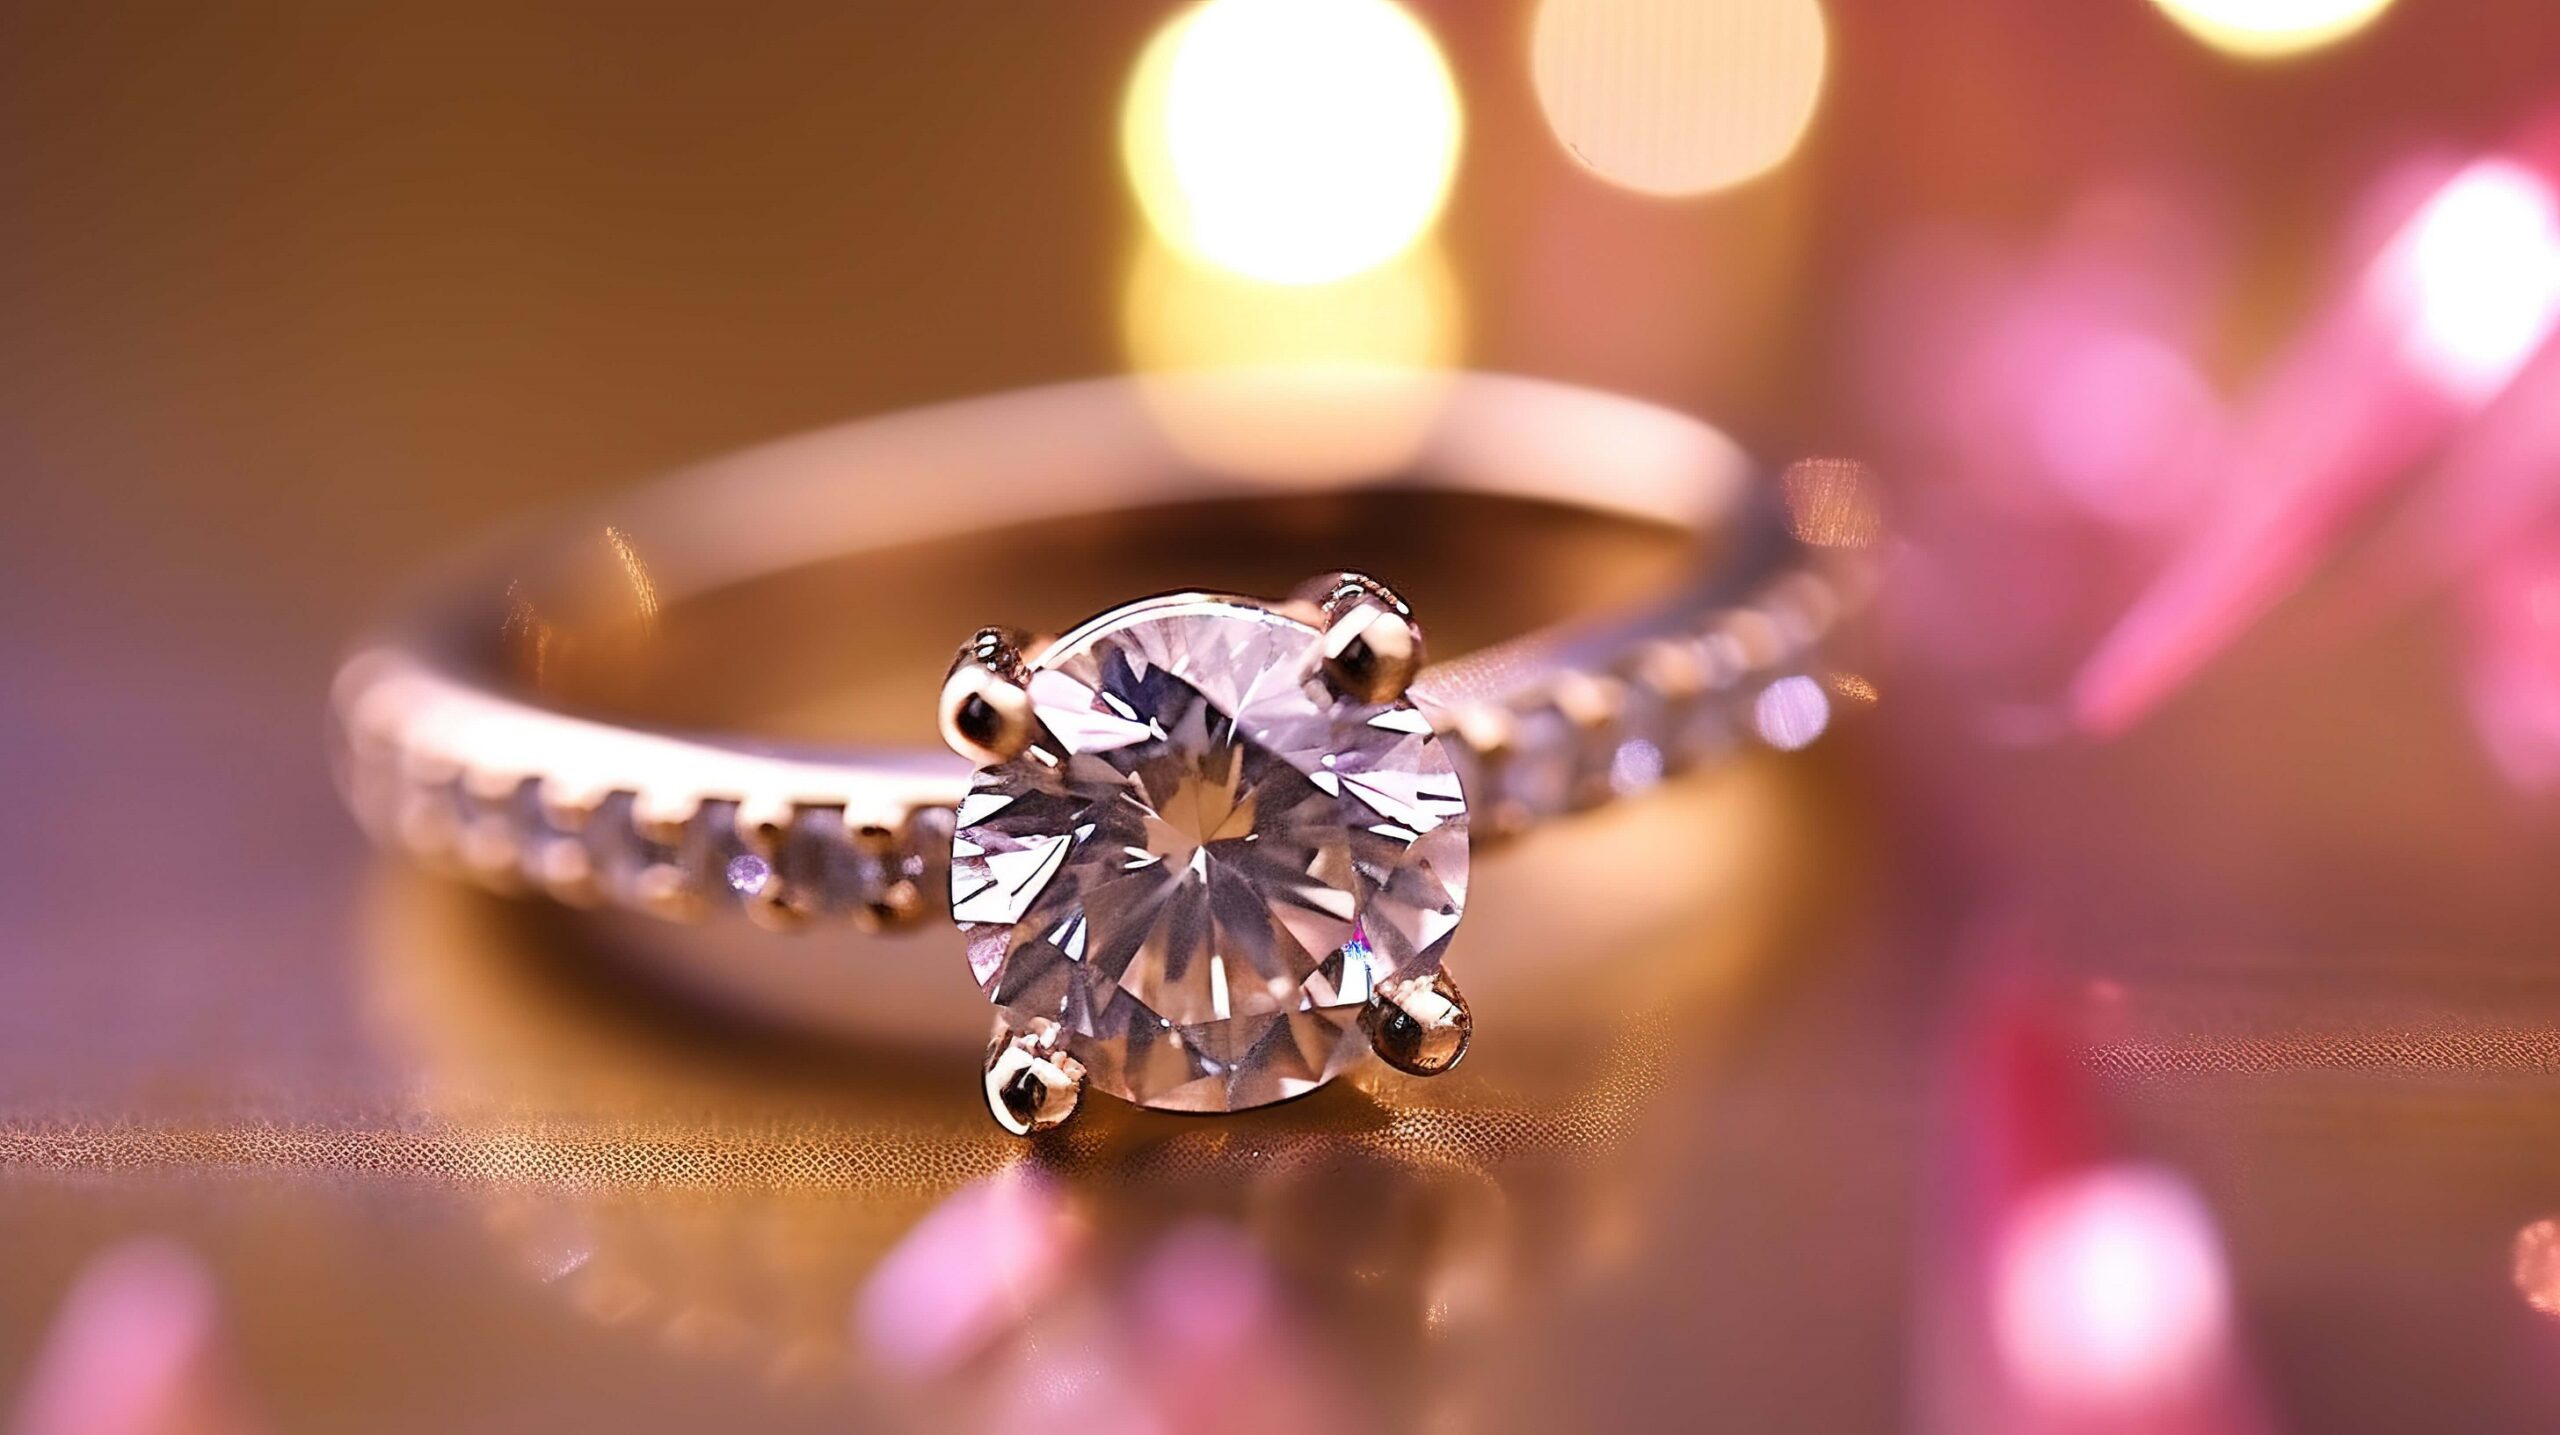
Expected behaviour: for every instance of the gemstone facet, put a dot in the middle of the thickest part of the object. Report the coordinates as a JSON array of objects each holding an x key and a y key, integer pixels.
[{"x": 1209, "y": 858}]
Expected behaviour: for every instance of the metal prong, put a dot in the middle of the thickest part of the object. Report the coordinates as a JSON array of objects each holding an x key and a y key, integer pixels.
[
  {"x": 660, "y": 819},
  {"x": 1419, "y": 1026},
  {"x": 1033, "y": 1083},
  {"x": 773, "y": 907},
  {"x": 986, "y": 709},
  {"x": 565, "y": 870},
  {"x": 899, "y": 902},
  {"x": 1372, "y": 646}
]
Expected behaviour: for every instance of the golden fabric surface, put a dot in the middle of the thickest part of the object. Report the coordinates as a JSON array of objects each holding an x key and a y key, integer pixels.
[{"x": 304, "y": 297}]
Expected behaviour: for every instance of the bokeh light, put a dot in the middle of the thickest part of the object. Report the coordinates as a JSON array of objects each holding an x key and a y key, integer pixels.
[
  {"x": 1791, "y": 712},
  {"x": 2109, "y": 1289},
  {"x": 2267, "y": 29},
  {"x": 1294, "y": 381},
  {"x": 2475, "y": 278},
  {"x": 1679, "y": 97},
  {"x": 1292, "y": 141},
  {"x": 2124, "y": 425},
  {"x": 2536, "y": 1265},
  {"x": 1180, "y": 315},
  {"x": 971, "y": 1269},
  {"x": 1832, "y": 503}
]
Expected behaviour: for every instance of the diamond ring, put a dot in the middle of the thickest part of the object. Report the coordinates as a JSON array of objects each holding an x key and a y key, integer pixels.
[{"x": 1206, "y": 851}]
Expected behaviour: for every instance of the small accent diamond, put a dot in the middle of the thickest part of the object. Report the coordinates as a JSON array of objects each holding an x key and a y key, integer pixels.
[{"x": 748, "y": 873}]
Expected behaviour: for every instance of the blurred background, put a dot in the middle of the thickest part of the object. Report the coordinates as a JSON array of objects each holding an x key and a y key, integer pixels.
[{"x": 2137, "y": 1013}]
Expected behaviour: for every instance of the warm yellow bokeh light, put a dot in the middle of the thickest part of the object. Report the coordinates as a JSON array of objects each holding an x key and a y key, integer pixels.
[
  {"x": 1184, "y": 316},
  {"x": 1678, "y": 97},
  {"x": 1292, "y": 141},
  {"x": 2265, "y": 29},
  {"x": 1303, "y": 381}
]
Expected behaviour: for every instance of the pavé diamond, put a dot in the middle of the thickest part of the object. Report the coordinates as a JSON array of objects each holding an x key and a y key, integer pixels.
[{"x": 1208, "y": 859}]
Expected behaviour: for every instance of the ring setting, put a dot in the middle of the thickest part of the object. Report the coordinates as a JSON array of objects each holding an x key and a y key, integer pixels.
[{"x": 1204, "y": 852}]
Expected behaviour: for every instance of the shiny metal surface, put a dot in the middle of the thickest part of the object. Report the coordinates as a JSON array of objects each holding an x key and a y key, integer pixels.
[
  {"x": 441, "y": 758},
  {"x": 302, "y": 298}
]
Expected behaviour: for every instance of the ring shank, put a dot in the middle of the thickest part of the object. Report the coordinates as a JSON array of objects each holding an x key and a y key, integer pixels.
[{"x": 442, "y": 755}]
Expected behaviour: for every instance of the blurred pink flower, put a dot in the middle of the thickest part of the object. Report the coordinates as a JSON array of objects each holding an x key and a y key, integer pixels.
[
  {"x": 136, "y": 1349},
  {"x": 2076, "y": 1289},
  {"x": 2434, "y": 327},
  {"x": 2045, "y": 425},
  {"x": 972, "y": 1270},
  {"x": 1226, "y": 1347}
]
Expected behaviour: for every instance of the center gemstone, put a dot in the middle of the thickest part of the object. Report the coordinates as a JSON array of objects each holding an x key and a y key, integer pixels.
[{"x": 1207, "y": 859}]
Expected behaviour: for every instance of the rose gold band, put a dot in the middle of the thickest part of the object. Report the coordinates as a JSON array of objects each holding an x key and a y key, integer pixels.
[{"x": 440, "y": 759}]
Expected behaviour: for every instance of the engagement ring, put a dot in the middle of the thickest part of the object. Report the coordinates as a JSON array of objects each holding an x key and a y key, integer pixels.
[{"x": 1207, "y": 849}]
